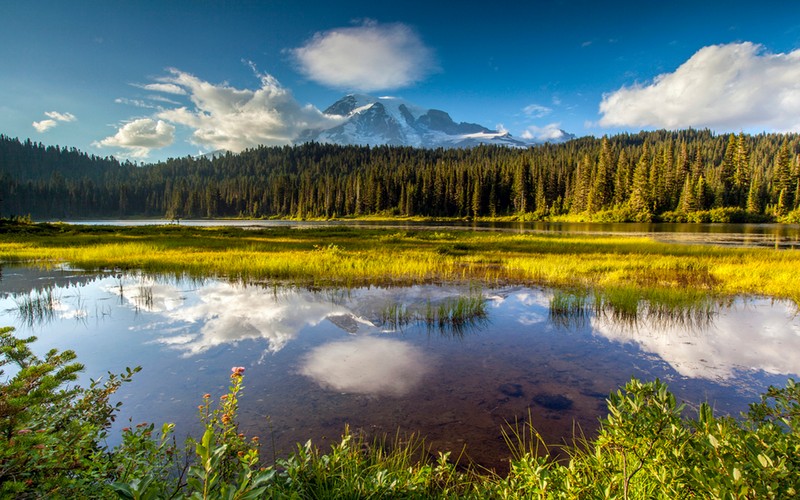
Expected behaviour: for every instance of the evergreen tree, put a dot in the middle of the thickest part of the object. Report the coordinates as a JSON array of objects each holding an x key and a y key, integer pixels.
[
  {"x": 640, "y": 192},
  {"x": 727, "y": 195}
]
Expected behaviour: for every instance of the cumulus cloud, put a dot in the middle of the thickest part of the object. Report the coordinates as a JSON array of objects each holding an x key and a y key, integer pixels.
[
  {"x": 550, "y": 132},
  {"x": 536, "y": 110},
  {"x": 729, "y": 87},
  {"x": 53, "y": 118},
  {"x": 44, "y": 125},
  {"x": 367, "y": 58},
  {"x": 140, "y": 136},
  {"x": 224, "y": 117}
]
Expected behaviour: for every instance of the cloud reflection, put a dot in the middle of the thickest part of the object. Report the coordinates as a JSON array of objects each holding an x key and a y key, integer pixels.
[
  {"x": 367, "y": 365},
  {"x": 228, "y": 313},
  {"x": 749, "y": 336}
]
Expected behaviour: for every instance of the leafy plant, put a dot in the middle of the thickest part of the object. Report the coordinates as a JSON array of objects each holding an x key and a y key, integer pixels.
[{"x": 50, "y": 432}]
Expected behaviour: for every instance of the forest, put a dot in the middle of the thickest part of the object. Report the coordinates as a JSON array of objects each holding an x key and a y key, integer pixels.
[{"x": 671, "y": 176}]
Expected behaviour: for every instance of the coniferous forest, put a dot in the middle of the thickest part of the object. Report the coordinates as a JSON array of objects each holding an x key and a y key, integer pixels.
[{"x": 680, "y": 176}]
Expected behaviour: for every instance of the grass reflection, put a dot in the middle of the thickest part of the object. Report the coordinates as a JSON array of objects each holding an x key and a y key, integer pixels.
[{"x": 630, "y": 307}]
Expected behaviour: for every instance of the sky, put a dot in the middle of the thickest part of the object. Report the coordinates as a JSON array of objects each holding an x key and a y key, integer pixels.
[{"x": 148, "y": 80}]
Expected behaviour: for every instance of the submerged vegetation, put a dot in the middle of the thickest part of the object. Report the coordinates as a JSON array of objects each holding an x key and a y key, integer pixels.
[
  {"x": 37, "y": 307},
  {"x": 626, "y": 271},
  {"x": 648, "y": 446}
]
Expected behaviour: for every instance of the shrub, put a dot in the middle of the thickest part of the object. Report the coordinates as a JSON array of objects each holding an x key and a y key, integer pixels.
[{"x": 50, "y": 433}]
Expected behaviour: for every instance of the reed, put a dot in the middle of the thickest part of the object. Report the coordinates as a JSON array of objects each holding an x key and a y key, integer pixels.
[
  {"x": 38, "y": 307},
  {"x": 453, "y": 315}
]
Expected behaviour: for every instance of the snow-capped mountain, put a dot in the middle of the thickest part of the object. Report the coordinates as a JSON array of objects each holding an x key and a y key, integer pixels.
[{"x": 367, "y": 120}]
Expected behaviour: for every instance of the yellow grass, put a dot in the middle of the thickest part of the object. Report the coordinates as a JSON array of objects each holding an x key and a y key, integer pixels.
[{"x": 350, "y": 257}]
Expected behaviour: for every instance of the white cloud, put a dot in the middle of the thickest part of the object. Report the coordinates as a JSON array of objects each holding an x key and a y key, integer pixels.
[
  {"x": 367, "y": 58},
  {"x": 224, "y": 117},
  {"x": 135, "y": 102},
  {"x": 44, "y": 125},
  {"x": 169, "y": 88},
  {"x": 161, "y": 98},
  {"x": 53, "y": 118},
  {"x": 61, "y": 117},
  {"x": 550, "y": 132},
  {"x": 729, "y": 87},
  {"x": 536, "y": 110},
  {"x": 140, "y": 136}
]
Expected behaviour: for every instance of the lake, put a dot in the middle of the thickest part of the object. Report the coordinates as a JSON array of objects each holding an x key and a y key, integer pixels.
[
  {"x": 744, "y": 235},
  {"x": 318, "y": 360}
]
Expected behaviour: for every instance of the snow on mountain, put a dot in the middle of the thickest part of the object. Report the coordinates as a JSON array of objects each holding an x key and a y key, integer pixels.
[{"x": 393, "y": 121}]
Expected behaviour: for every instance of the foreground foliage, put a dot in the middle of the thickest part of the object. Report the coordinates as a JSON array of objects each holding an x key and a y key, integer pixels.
[{"x": 51, "y": 437}]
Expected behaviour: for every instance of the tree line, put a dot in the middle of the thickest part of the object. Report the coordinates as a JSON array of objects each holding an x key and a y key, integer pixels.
[{"x": 687, "y": 175}]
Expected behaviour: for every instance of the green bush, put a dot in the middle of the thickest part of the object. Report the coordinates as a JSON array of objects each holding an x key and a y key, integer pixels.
[
  {"x": 647, "y": 447},
  {"x": 50, "y": 432}
]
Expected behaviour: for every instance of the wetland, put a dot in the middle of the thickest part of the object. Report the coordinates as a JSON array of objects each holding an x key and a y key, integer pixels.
[{"x": 450, "y": 335}]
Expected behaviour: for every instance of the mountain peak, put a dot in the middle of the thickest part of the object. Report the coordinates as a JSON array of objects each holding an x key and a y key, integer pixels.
[{"x": 394, "y": 121}]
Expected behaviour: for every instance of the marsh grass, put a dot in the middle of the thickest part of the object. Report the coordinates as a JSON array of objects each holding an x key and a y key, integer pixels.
[
  {"x": 350, "y": 257},
  {"x": 454, "y": 315},
  {"x": 569, "y": 308}
]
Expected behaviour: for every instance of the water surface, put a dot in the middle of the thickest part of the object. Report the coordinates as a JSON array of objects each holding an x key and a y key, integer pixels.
[
  {"x": 317, "y": 360},
  {"x": 741, "y": 235}
]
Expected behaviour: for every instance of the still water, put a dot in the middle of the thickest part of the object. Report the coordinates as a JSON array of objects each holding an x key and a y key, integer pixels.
[
  {"x": 317, "y": 360},
  {"x": 742, "y": 235}
]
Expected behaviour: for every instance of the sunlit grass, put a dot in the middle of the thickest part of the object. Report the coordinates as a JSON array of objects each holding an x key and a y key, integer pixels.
[{"x": 637, "y": 266}]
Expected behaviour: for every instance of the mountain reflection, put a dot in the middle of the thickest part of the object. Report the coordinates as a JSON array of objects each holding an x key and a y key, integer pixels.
[
  {"x": 755, "y": 335},
  {"x": 367, "y": 365}
]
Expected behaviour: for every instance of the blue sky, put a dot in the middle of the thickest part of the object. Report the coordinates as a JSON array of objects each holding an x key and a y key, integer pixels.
[{"x": 152, "y": 79}]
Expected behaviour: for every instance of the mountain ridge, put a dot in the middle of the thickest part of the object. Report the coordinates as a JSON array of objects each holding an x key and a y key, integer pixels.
[{"x": 368, "y": 120}]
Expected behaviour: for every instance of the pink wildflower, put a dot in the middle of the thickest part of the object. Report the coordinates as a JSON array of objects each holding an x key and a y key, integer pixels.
[{"x": 237, "y": 371}]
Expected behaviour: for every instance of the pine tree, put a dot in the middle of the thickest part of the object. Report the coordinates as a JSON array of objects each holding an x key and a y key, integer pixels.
[
  {"x": 755, "y": 196},
  {"x": 688, "y": 199},
  {"x": 603, "y": 189},
  {"x": 640, "y": 192},
  {"x": 622, "y": 178},
  {"x": 521, "y": 188},
  {"x": 727, "y": 173},
  {"x": 741, "y": 176}
]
